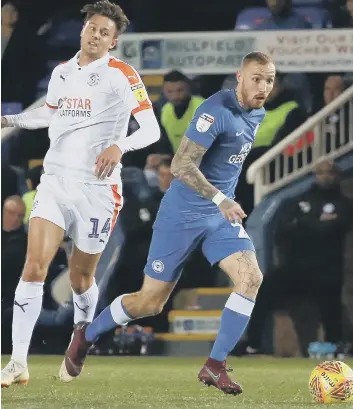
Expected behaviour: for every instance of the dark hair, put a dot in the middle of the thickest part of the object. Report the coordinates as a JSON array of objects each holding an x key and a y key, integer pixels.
[
  {"x": 175, "y": 76},
  {"x": 107, "y": 9},
  {"x": 258, "y": 57}
]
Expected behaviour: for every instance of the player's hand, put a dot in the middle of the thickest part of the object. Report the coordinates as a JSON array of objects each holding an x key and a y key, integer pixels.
[
  {"x": 107, "y": 161},
  {"x": 232, "y": 211},
  {"x": 4, "y": 123}
]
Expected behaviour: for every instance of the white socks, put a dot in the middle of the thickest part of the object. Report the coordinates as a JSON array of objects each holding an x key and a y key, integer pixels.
[
  {"x": 26, "y": 310},
  {"x": 85, "y": 304},
  {"x": 119, "y": 314},
  {"x": 240, "y": 304}
]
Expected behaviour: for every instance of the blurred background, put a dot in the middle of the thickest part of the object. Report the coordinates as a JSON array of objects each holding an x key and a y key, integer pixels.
[{"x": 296, "y": 185}]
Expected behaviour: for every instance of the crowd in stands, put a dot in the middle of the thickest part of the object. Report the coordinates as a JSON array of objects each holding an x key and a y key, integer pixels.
[
  {"x": 29, "y": 36},
  {"x": 310, "y": 240}
]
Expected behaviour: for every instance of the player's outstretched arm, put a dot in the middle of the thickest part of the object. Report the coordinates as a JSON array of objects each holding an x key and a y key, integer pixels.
[
  {"x": 34, "y": 119},
  {"x": 185, "y": 166}
]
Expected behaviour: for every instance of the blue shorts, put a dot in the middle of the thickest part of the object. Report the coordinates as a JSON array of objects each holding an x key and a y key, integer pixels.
[{"x": 171, "y": 245}]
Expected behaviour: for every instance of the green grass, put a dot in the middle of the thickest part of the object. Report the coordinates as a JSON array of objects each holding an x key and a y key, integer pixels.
[{"x": 162, "y": 383}]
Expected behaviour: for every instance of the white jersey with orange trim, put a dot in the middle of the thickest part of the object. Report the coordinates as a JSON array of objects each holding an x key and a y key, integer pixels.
[
  {"x": 87, "y": 110},
  {"x": 92, "y": 105}
]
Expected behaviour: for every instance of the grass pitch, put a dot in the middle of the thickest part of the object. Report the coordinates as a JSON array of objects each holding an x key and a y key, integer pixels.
[{"x": 163, "y": 383}]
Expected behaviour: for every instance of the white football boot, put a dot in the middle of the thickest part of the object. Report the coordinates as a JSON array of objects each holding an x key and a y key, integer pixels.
[{"x": 14, "y": 373}]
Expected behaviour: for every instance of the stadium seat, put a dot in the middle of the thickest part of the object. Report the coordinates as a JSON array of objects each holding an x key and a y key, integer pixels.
[
  {"x": 65, "y": 33},
  {"x": 308, "y": 3},
  {"x": 318, "y": 17},
  {"x": 250, "y": 18},
  {"x": 11, "y": 108}
]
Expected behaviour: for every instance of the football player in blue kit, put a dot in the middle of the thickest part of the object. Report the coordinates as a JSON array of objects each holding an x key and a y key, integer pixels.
[{"x": 199, "y": 208}]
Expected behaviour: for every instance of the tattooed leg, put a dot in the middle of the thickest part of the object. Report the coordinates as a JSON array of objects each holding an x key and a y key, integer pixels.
[{"x": 244, "y": 271}]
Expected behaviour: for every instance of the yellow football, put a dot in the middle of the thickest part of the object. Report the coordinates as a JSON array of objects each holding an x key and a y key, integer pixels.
[{"x": 331, "y": 382}]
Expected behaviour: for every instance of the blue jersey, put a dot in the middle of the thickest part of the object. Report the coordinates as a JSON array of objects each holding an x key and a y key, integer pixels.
[{"x": 228, "y": 131}]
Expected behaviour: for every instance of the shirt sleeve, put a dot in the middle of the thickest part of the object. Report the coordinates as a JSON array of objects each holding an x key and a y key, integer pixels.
[
  {"x": 147, "y": 133},
  {"x": 207, "y": 123},
  {"x": 131, "y": 88},
  {"x": 33, "y": 119}
]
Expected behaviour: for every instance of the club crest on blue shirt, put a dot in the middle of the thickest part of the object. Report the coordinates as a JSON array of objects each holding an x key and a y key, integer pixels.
[{"x": 204, "y": 122}]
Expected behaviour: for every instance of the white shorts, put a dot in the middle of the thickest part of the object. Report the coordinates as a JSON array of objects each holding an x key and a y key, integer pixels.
[{"x": 86, "y": 212}]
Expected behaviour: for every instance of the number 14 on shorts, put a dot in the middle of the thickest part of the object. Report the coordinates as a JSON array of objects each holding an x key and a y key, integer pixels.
[{"x": 95, "y": 227}]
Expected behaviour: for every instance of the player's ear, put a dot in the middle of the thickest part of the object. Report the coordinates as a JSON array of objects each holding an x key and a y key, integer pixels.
[
  {"x": 113, "y": 44},
  {"x": 238, "y": 75}
]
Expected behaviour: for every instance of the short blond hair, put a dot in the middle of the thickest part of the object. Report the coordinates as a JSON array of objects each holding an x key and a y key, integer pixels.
[{"x": 257, "y": 56}]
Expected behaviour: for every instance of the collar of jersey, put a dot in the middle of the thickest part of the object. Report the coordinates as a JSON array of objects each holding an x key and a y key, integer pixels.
[{"x": 93, "y": 64}]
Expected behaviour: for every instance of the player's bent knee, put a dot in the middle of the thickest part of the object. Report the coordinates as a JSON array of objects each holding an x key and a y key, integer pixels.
[
  {"x": 34, "y": 270},
  {"x": 249, "y": 284}
]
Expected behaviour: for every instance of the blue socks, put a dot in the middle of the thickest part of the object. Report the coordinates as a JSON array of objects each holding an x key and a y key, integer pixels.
[
  {"x": 111, "y": 317},
  {"x": 234, "y": 320}
]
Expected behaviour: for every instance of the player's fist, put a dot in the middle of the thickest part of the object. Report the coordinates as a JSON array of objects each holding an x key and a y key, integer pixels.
[
  {"x": 232, "y": 210},
  {"x": 106, "y": 161},
  {"x": 4, "y": 122}
]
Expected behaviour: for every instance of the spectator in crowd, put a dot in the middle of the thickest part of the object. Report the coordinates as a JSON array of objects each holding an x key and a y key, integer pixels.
[
  {"x": 13, "y": 254},
  {"x": 29, "y": 146},
  {"x": 283, "y": 116},
  {"x": 19, "y": 78},
  {"x": 178, "y": 112},
  {"x": 334, "y": 86},
  {"x": 9, "y": 18},
  {"x": 9, "y": 181},
  {"x": 349, "y": 14},
  {"x": 283, "y": 17},
  {"x": 151, "y": 170},
  {"x": 165, "y": 176},
  {"x": 342, "y": 17},
  {"x": 310, "y": 238},
  {"x": 13, "y": 245}
]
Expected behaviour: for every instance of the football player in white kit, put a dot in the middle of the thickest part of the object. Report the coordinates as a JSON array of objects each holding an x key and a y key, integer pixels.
[{"x": 88, "y": 105}]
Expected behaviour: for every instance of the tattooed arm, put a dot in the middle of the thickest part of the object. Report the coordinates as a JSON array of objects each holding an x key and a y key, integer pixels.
[{"x": 185, "y": 166}]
